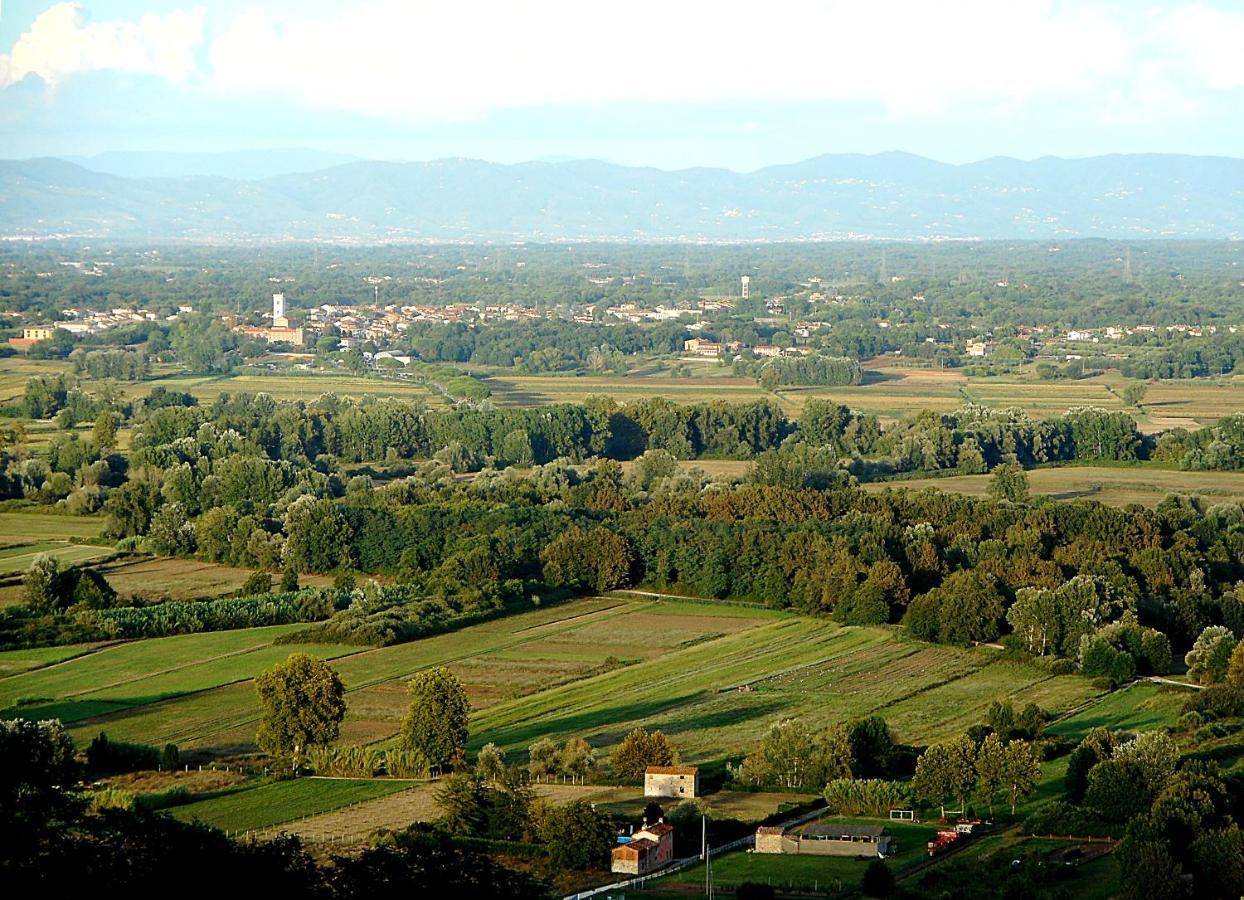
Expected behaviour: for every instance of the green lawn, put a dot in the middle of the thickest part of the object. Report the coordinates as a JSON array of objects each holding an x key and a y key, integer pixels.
[{"x": 278, "y": 802}]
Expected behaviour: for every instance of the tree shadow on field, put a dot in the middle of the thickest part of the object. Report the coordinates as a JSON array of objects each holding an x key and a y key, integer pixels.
[
  {"x": 874, "y": 376},
  {"x": 525, "y": 733},
  {"x": 724, "y": 718}
]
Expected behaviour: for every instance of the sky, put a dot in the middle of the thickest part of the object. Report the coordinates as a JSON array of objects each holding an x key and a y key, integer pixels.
[{"x": 671, "y": 84}]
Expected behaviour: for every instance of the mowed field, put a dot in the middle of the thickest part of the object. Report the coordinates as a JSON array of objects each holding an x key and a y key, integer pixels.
[
  {"x": 714, "y": 677},
  {"x": 1113, "y": 485},
  {"x": 27, "y": 525},
  {"x": 892, "y": 392}
]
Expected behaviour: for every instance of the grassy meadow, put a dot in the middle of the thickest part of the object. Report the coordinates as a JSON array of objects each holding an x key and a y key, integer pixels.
[{"x": 182, "y": 579}]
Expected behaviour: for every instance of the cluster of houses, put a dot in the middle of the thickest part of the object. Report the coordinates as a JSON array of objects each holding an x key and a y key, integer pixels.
[
  {"x": 85, "y": 322},
  {"x": 713, "y": 349}
]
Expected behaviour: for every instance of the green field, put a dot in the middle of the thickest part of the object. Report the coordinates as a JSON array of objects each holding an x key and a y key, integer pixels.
[
  {"x": 717, "y": 698},
  {"x": 18, "y": 558},
  {"x": 1141, "y": 706},
  {"x": 111, "y": 680},
  {"x": 266, "y": 805},
  {"x": 714, "y": 677},
  {"x": 14, "y": 661}
]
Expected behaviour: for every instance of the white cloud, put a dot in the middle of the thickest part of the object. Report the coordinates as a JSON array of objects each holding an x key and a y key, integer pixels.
[
  {"x": 428, "y": 60},
  {"x": 436, "y": 60},
  {"x": 61, "y": 43}
]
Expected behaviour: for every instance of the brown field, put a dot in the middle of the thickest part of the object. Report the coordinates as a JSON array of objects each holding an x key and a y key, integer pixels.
[
  {"x": 306, "y": 386},
  {"x": 196, "y": 781},
  {"x": 892, "y": 391},
  {"x": 1116, "y": 486},
  {"x": 182, "y": 579}
]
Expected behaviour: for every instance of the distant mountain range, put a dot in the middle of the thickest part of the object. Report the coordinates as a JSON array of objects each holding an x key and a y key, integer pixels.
[{"x": 890, "y": 195}]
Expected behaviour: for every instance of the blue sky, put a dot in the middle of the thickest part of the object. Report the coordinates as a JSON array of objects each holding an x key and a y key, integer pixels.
[{"x": 669, "y": 84}]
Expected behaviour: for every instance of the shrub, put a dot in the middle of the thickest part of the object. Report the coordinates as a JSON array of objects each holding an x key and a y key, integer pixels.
[
  {"x": 878, "y": 880},
  {"x": 192, "y": 617},
  {"x": 107, "y": 757},
  {"x": 174, "y": 796},
  {"x": 870, "y": 796}
]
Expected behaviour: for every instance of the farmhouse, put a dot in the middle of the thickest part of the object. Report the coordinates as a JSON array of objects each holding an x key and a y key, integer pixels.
[
  {"x": 825, "y": 840},
  {"x": 649, "y": 849},
  {"x": 981, "y": 348},
  {"x": 672, "y": 781},
  {"x": 702, "y": 348},
  {"x": 32, "y": 335}
]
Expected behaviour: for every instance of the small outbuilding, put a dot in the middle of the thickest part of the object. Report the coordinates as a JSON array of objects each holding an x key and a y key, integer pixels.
[
  {"x": 678, "y": 782},
  {"x": 825, "y": 840}
]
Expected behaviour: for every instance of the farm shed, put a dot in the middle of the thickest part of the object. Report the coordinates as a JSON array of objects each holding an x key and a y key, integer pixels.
[{"x": 825, "y": 840}]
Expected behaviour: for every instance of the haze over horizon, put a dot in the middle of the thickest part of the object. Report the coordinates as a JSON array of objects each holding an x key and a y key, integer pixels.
[{"x": 672, "y": 87}]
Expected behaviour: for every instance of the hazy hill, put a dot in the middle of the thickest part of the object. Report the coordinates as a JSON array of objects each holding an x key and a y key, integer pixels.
[
  {"x": 234, "y": 164},
  {"x": 892, "y": 195}
]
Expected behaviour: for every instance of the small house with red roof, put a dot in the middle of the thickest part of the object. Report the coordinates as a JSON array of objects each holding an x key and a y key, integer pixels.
[{"x": 647, "y": 850}]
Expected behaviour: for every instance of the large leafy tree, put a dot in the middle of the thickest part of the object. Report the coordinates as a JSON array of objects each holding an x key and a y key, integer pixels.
[
  {"x": 318, "y": 536},
  {"x": 639, "y": 750},
  {"x": 436, "y": 722},
  {"x": 946, "y": 772},
  {"x": 302, "y": 702},
  {"x": 597, "y": 560},
  {"x": 1008, "y": 482},
  {"x": 41, "y": 588}
]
